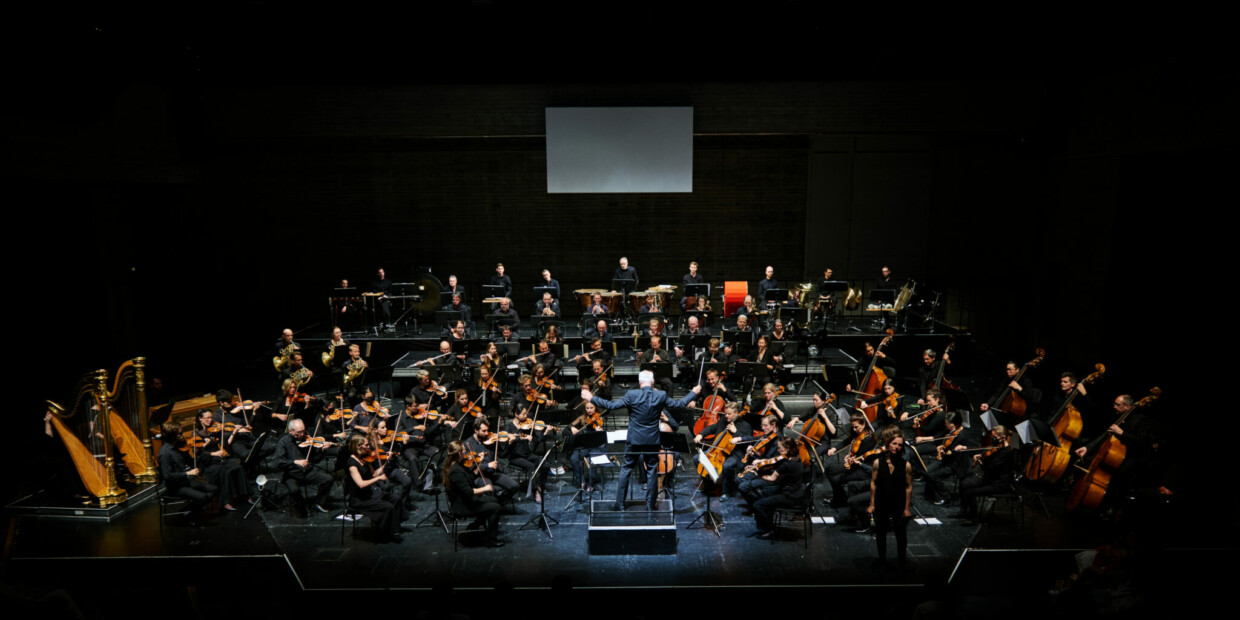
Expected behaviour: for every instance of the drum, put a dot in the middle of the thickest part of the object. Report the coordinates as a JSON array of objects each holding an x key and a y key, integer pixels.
[
  {"x": 612, "y": 301},
  {"x": 586, "y": 296}
]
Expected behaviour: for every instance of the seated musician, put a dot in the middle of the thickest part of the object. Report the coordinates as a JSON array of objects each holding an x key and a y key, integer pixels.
[
  {"x": 179, "y": 475},
  {"x": 713, "y": 355},
  {"x": 890, "y": 407},
  {"x": 853, "y": 466},
  {"x": 453, "y": 331},
  {"x": 996, "y": 473},
  {"x": 289, "y": 405},
  {"x": 426, "y": 391},
  {"x": 598, "y": 381},
  {"x": 748, "y": 309},
  {"x": 542, "y": 378},
  {"x": 418, "y": 451},
  {"x": 486, "y": 392},
  {"x": 1024, "y": 388},
  {"x": 458, "y": 306},
  {"x": 712, "y": 385},
  {"x": 337, "y": 340},
  {"x": 651, "y": 306},
  {"x": 941, "y": 463},
  {"x": 454, "y": 287},
  {"x": 460, "y": 417},
  {"x": 783, "y": 489},
  {"x": 925, "y": 427},
  {"x": 599, "y": 331},
  {"x": 553, "y": 335},
  {"x": 771, "y": 405},
  {"x": 286, "y": 344},
  {"x": 530, "y": 392},
  {"x": 596, "y": 307},
  {"x": 778, "y": 332},
  {"x": 492, "y": 358},
  {"x": 693, "y": 327},
  {"x": 544, "y": 357},
  {"x": 299, "y": 464},
  {"x": 366, "y": 413},
  {"x": 369, "y": 492},
  {"x": 867, "y": 358},
  {"x": 505, "y": 309},
  {"x": 484, "y": 444},
  {"x": 825, "y": 414},
  {"x": 507, "y": 334},
  {"x": 527, "y": 447},
  {"x": 468, "y": 498},
  {"x": 595, "y": 352},
  {"x": 929, "y": 370},
  {"x": 547, "y": 307},
  {"x": 656, "y": 354},
  {"x": 586, "y": 477},
  {"x": 296, "y": 370},
  {"x": 653, "y": 328},
  {"x": 753, "y": 487},
  {"x": 766, "y": 356},
  {"x": 240, "y": 440},
  {"x": 224, "y": 472},
  {"x": 739, "y": 430}
]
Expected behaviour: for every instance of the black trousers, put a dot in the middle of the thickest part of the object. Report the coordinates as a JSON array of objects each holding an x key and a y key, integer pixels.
[{"x": 885, "y": 520}]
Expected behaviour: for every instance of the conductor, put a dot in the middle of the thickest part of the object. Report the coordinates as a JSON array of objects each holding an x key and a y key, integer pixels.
[{"x": 644, "y": 406}]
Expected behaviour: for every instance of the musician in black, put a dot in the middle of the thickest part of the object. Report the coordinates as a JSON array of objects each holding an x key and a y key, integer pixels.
[
  {"x": 469, "y": 498},
  {"x": 656, "y": 354},
  {"x": 996, "y": 474},
  {"x": 505, "y": 309},
  {"x": 693, "y": 328},
  {"x": 179, "y": 477},
  {"x": 929, "y": 370},
  {"x": 286, "y": 340},
  {"x": 296, "y": 370},
  {"x": 458, "y": 306},
  {"x": 1024, "y": 388},
  {"x": 549, "y": 282},
  {"x": 344, "y": 311},
  {"x": 788, "y": 488},
  {"x": 767, "y": 283},
  {"x": 371, "y": 494},
  {"x": 625, "y": 272},
  {"x": 693, "y": 277},
  {"x": 882, "y": 362},
  {"x": 941, "y": 464},
  {"x": 890, "y": 405},
  {"x": 599, "y": 382},
  {"x": 547, "y": 307},
  {"x": 528, "y": 445},
  {"x": 712, "y": 385},
  {"x": 599, "y": 331},
  {"x": 507, "y": 334},
  {"x": 826, "y": 301},
  {"x": 831, "y": 437},
  {"x": 595, "y": 352},
  {"x": 499, "y": 279},
  {"x": 383, "y": 303},
  {"x": 885, "y": 281},
  {"x": 490, "y": 464},
  {"x": 740, "y": 431},
  {"x": 891, "y": 492},
  {"x": 454, "y": 288},
  {"x": 300, "y": 467},
  {"x": 596, "y": 307},
  {"x": 852, "y": 466},
  {"x": 752, "y": 486},
  {"x": 222, "y": 471}
]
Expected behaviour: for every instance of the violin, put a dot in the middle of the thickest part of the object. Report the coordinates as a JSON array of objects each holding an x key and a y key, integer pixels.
[
  {"x": 315, "y": 442},
  {"x": 758, "y": 447},
  {"x": 432, "y": 415},
  {"x": 343, "y": 414},
  {"x": 223, "y": 427},
  {"x": 499, "y": 437},
  {"x": 594, "y": 420},
  {"x": 850, "y": 459},
  {"x": 925, "y": 415},
  {"x": 945, "y": 449},
  {"x": 537, "y": 425},
  {"x": 192, "y": 442},
  {"x": 535, "y": 397},
  {"x": 760, "y": 464}
]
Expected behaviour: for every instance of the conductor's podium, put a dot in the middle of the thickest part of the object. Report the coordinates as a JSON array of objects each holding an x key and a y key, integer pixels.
[{"x": 636, "y": 531}]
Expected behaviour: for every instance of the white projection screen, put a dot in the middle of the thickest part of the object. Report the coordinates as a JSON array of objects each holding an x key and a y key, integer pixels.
[{"x": 619, "y": 150}]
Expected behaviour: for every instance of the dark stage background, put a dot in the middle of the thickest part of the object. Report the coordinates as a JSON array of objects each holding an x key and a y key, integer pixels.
[{"x": 187, "y": 193}]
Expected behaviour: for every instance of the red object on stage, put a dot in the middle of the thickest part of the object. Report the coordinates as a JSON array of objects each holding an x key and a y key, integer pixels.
[{"x": 734, "y": 296}]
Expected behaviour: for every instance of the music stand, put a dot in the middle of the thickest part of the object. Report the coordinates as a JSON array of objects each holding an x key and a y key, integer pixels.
[
  {"x": 624, "y": 286},
  {"x": 775, "y": 296},
  {"x": 697, "y": 290},
  {"x": 445, "y": 318},
  {"x": 710, "y": 520},
  {"x": 661, "y": 370},
  {"x": 407, "y": 292},
  {"x": 677, "y": 443},
  {"x": 828, "y": 287},
  {"x": 541, "y": 520},
  {"x": 644, "y": 319},
  {"x": 588, "y": 440},
  {"x": 539, "y": 290},
  {"x": 883, "y": 297}
]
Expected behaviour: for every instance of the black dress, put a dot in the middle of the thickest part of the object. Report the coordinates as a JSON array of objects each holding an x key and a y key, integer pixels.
[{"x": 374, "y": 501}]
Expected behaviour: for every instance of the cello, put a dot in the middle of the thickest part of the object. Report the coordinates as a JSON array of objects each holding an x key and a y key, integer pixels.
[
  {"x": 872, "y": 382},
  {"x": 1012, "y": 402},
  {"x": 1049, "y": 461},
  {"x": 1089, "y": 490}
]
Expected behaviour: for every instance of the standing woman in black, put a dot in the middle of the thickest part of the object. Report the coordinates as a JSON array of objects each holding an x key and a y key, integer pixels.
[{"x": 891, "y": 491}]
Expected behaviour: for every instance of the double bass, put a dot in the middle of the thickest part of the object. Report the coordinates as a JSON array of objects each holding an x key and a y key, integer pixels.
[
  {"x": 1011, "y": 401},
  {"x": 939, "y": 381},
  {"x": 1049, "y": 461},
  {"x": 872, "y": 382},
  {"x": 1089, "y": 490}
]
